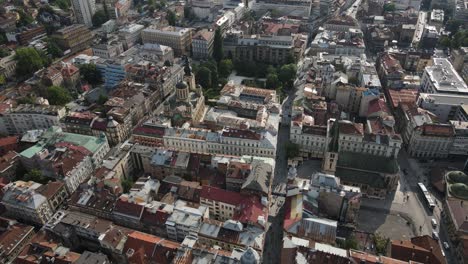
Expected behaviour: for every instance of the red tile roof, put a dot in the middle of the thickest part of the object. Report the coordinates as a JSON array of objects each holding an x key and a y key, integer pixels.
[
  {"x": 147, "y": 248},
  {"x": 250, "y": 209},
  {"x": 405, "y": 96},
  {"x": 438, "y": 130},
  {"x": 347, "y": 127},
  {"x": 377, "y": 105},
  {"x": 6, "y": 141},
  {"x": 128, "y": 208},
  {"x": 422, "y": 249},
  {"x": 238, "y": 133},
  {"x": 220, "y": 195}
]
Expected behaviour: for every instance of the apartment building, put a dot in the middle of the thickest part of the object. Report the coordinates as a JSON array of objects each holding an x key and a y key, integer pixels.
[
  {"x": 24, "y": 200},
  {"x": 108, "y": 50},
  {"x": 13, "y": 237},
  {"x": 444, "y": 106},
  {"x": 84, "y": 11},
  {"x": 29, "y": 117},
  {"x": 202, "y": 44},
  {"x": 185, "y": 220},
  {"x": 74, "y": 38},
  {"x": 179, "y": 39},
  {"x": 460, "y": 140},
  {"x": 441, "y": 77},
  {"x": 424, "y": 137},
  {"x": 221, "y": 203}
]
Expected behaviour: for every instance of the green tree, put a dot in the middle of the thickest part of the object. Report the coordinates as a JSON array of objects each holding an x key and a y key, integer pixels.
[
  {"x": 99, "y": 18},
  {"x": 4, "y": 53},
  {"x": 171, "y": 18},
  {"x": 211, "y": 65},
  {"x": 453, "y": 26},
  {"x": 167, "y": 63},
  {"x": 225, "y": 68},
  {"x": 127, "y": 185},
  {"x": 63, "y": 4},
  {"x": 203, "y": 77},
  {"x": 25, "y": 18},
  {"x": 287, "y": 74},
  {"x": 381, "y": 244},
  {"x": 53, "y": 49},
  {"x": 102, "y": 99},
  {"x": 290, "y": 59},
  {"x": 28, "y": 61},
  {"x": 218, "y": 45},
  {"x": 292, "y": 150},
  {"x": 27, "y": 100},
  {"x": 2, "y": 79},
  {"x": 272, "y": 81},
  {"x": 188, "y": 13},
  {"x": 58, "y": 95},
  {"x": 389, "y": 7},
  {"x": 36, "y": 176},
  {"x": 90, "y": 73}
]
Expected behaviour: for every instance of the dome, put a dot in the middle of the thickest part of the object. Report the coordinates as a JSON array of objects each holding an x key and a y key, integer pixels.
[
  {"x": 250, "y": 256},
  {"x": 459, "y": 190},
  {"x": 457, "y": 177},
  {"x": 111, "y": 123},
  {"x": 181, "y": 85}
]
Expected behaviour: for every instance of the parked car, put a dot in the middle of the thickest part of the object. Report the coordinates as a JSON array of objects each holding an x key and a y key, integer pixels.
[
  {"x": 435, "y": 235},
  {"x": 446, "y": 245},
  {"x": 434, "y": 223}
]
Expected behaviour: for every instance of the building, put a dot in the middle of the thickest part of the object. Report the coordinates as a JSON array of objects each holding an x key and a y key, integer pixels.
[
  {"x": 8, "y": 165},
  {"x": 437, "y": 18},
  {"x": 8, "y": 65},
  {"x": 423, "y": 137},
  {"x": 94, "y": 148},
  {"x": 444, "y": 106},
  {"x": 202, "y": 44},
  {"x": 441, "y": 77},
  {"x": 13, "y": 237},
  {"x": 321, "y": 230},
  {"x": 421, "y": 249},
  {"x": 25, "y": 201},
  {"x": 108, "y": 50},
  {"x": 29, "y": 117},
  {"x": 73, "y": 38},
  {"x": 130, "y": 35},
  {"x": 185, "y": 220},
  {"x": 84, "y": 11},
  {"x": 338, "y": 43},
  {"x": 179, "y": 39}
]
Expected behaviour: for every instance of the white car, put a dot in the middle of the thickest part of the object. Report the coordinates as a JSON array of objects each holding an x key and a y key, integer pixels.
[
  {"x": 434, "y": 223},
  {"x": 446, "y": 245},
  {"x": 435, "y": 235}
]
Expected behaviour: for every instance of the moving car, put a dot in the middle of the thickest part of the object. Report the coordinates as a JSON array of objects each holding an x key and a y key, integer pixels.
[
  {"x": 446, "y": 245},
  {"x": 434, "y": 223},
  {"x": 435, "y": 235}
]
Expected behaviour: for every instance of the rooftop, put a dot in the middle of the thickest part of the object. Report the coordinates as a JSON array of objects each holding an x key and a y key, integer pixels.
[{"x": 444, "y": 77}]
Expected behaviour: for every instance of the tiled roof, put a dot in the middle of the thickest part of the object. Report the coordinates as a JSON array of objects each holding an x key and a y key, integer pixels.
[
  {"x": 438, "y": 130},
  {"x": 6, "y": 141},
  {"x": 350, "y": 128},
  {"x": 422, "y": 249},
  {"x": 224, "y": 196},
  {"x": 50, "y": 189},
  {"x": 128, "y": 208},
  {"x": 144, "y": 248}
]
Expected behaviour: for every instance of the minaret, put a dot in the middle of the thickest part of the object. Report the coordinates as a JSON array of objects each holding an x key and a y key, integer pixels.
[
  {"x": 189, "y": 77},
  {"x": 330, "y": 158}
]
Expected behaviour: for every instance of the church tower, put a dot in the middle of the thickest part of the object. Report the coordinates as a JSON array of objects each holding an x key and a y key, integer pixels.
[
  {"x": 189, "y": 77},
  {"x": 330, "y": 158}
]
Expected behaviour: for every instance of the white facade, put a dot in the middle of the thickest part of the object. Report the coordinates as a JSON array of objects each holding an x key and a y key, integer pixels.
[
  {"x": 131, "y": 35},
  {"x": 444, "y": 106},
  {"x": 78, "y": 174},
  {"x": 84, "y": 11},
  {"x": 460, "y": 141},
  {"x": 441, "y": 77},
  {"x": 30, "y": 117}
]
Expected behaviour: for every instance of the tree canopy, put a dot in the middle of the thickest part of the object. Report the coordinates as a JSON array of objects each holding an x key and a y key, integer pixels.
[
  {"x": 28, "y": 61},
  {"x": 218, "y": 45},
  {"x": 171, "y": 18},
  {"x": 203, "y": 77},
  {"x": 90, "y": 73},
  {"x": 225, "y": 68},
  {"x": 99, "y": 18},
  {"x": 389, "y": 7},
  {"x": 292, "y": 150},
  {"x": 63, "y": 4},
  {"x": 58, "y": 95}
]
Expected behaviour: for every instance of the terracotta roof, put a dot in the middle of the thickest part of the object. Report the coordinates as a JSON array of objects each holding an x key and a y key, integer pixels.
[
  {"x": 50, "y": 189},
  {"x": 405, "y": 96},
  {"x": 439, "y": 130},
  {"x": 220, "y": 195},
  {"x": 128, "y": 208},
  {"x": 143, "y": 248},
  {"x": 350, "y": 128},
  {"x": 377, "y": 105},
  {"x": 238, "y": 133},
  {"x": 423, "y": 249},
  {"x": 6, "y": 141},
  {"x": 10, "y": 237},
  {"x": 251, "y": 209}
]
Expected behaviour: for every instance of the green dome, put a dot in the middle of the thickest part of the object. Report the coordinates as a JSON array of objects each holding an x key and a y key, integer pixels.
[
  {"x": 459, "y": 190},
  {"x": 457, "y": 177}
]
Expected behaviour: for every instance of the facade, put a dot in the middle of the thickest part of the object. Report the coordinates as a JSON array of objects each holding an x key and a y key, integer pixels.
[
  {"x": 74, "y": 38},
  {"x": 441, "y": 77},
  {"x": 29, "y": 117},
  {"x": 444, "y": 106},
  {"x": 179, "y": 39},
  {"x": 130, "y": 35},
  {"x": 24, "y": 201},
  {"x": 108, "y": 50},
  {"x": 8, "y": 65},
  {"x": 84, "y": 11},
  {"x": 13, "y": 238},
  {"x": 202, "y": 44},
  {"x": 185, "y": 220}
]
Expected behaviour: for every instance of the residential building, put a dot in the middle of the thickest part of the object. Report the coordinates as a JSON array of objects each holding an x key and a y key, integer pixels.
[
  {"x": 24, "y": 200},
  {"x": 437, "y": 18},
  {"x": 179, "y": 39},
  {"x": 390, "y": 71},
  {"x": 8, "y": 165},
  {"x": 423, "y": 137},
  {"x": 29, "y": 117},
  {"x": 108, "y": 50},
  {"x": 338, "y": 43},
  {"x": 185, "y": 220},
  {"x": 73, "y": 38},
  {"x": 423, "y": 249},
  {"x": 157, "y": 52},
  {"x": 130, "y": 35},
  {"x": 444, "y": 106},
  {"x": 317, "y": 229},
  {"x": 8, "y": 65},
  {"x": 94, "y": 148},
  {"x": 13, "y": 237},
  {"x": 441, "y": 77},
  {"x": 84, "y": 11},
  {"x": 458, "y": 58},
  {"x": 202, "y": 44}
]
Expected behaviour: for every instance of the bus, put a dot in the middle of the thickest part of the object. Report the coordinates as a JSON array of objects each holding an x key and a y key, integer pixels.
[{"x": 427, "y": 196}]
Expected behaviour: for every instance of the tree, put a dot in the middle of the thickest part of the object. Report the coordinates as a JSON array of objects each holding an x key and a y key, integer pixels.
[
  {"x": 126, "y": 185},
  {"x": 102, "y": 99},
  {"x": 225, "y": 68},
  {"x": 287, "y": 74},
  {"x": 389, "y": 7},
  {"x": 4, "y": 53},
  {"x": 453, "y": 26},
  {"x": 63, "y": 4},
  {"x": 211, "y": 65},
  {"x": 28, "y": 61},
  {"x": 25, "y": 18},
  {"x": 218, "y": 45},
  {"x": 90, "y": 73},
  {"x": 274, "y": 13},
  {"x": 444, "y": 42},
  {"x": 351, "y": 243},
  {"x": 171, "y": 18},
  {"x": 99, "y": 18},
  {"x": 31, "y": 99},
  {"x": 35, "y": 175},
  {"x": 58, "y": 95},
  {"x": 272, "y": 81},
  {"x": 203, "y": 77},
  {"x": 53, "y": 49},
  {"x": 188, "y": 13},
  {"x": 292, "y": 150},
  {"x": 167, "y": 63},
  {"x": 381, "y": 243},
  {"x": 2, "y": 79}
]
